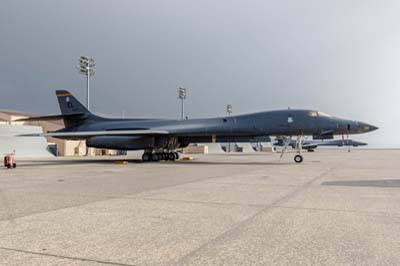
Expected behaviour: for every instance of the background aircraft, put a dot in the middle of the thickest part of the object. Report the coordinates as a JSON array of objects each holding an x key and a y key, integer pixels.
[
  {"x": 311, "y": 145},
  {"x": 160, "y": 138}
]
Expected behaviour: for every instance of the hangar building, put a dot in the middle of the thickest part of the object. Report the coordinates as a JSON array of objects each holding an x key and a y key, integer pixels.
[{"x": 37, "y": 146}]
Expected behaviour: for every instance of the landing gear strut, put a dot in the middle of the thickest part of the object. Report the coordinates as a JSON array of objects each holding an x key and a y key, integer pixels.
[{"x": 298, "y": 158}]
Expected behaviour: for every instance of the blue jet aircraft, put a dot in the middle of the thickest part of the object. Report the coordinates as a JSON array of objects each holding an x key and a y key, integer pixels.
[{"x": 161, "y": 138}]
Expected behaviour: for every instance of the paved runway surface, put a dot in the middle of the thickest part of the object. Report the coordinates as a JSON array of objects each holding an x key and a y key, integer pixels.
[{"x": 337, "y": 208}]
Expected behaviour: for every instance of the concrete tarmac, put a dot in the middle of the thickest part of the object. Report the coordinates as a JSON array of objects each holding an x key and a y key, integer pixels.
[{"x": 336, "y": 208}]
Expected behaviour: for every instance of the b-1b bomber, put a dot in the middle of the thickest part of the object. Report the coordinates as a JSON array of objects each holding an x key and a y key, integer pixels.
[{"x": 161, "y": 138}]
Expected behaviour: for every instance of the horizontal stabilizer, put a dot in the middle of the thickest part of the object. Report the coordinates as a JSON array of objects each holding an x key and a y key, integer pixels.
[
  {"x": 84, "y": 134},
  {"x": 49, "y": 117}
]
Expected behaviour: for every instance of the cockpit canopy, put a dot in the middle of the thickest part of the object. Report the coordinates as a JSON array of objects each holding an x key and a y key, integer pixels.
[{"x": 317, "y": 114}]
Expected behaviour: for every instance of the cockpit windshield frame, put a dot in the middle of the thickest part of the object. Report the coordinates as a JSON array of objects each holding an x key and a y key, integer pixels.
[
  {"x": 323, "y": 114},
  {"x": 313, "y": 114}
]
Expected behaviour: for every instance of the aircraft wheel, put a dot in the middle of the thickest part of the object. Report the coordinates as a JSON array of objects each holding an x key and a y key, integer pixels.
[
  {"x": 146, "y": 157},
  {"x": 155, "y": 157},
  {"x": 171, "y": 156},
  {"x": 298, "y": 158},
  {"x": 165, "y": 156},
  {"x": 14, "y": 165},
  {"x": 176, "y": 155}
]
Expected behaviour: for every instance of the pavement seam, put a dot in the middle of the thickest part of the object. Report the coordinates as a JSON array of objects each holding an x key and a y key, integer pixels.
[
  {"x": 202, "y": 202},
  {"x": 252, "y": 217},
  {"x": 65, "y": 257},
  {"x": 338, "y": 210},
  {"x": 253, "y": 184}
]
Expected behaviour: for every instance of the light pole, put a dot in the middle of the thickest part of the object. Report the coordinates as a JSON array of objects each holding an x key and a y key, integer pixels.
[
  {"x": 229, "y": 111},
  {"x": 182, "y": 92},
  {"x": 86, "y": 67}
]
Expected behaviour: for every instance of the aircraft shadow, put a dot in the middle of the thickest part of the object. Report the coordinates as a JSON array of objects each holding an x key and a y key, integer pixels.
[
  {"x": 137, "y": 161},
  {"x": 70, "y": 162},
  {"x": 233, "y": 163}
]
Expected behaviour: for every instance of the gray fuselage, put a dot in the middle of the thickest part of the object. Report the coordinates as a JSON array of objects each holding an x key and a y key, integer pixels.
[{"x": 271, "y": 123}]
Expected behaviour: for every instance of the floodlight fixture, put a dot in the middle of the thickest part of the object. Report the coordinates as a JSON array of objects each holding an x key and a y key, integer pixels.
[
  {"x": 87, "y": 67},
  {"x": 182, "y": 94}
]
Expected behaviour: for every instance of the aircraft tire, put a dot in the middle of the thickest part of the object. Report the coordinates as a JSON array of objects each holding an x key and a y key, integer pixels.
[
  {"x": 298, "y": 158},
  {"x": 171, "y": 156},
  {"x": 146, "y": 157},
  {"x": 165, "y": 156},
  {"x": 176, "y": 155},
  {"x": 155, "y": 157}
]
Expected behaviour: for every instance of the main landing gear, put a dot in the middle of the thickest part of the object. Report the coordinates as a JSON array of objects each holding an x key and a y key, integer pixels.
[{"x": 160, "y": 156}]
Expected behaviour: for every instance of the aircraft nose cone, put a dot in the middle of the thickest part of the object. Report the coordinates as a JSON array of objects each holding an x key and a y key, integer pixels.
[
  {"x": 368, "y": 128},
  {"x": 373, "y": 127}
]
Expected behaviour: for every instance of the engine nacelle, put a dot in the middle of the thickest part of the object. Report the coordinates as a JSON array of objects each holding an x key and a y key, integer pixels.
[{"x": 122, "y": 142}]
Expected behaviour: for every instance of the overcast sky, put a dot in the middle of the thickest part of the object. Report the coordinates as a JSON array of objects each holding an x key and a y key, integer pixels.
[{"x": 341, "y": 57}]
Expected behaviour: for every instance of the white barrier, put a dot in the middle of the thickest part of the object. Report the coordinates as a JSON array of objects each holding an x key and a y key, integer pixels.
[
  {"x": 32, "y": 147},
  {"x": 245, "y": 147},
  {"x": 214, "y": 147}
]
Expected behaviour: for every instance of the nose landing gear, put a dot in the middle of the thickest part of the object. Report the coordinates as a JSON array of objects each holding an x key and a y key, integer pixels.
[
  {"x": 298, "y": 158},
  {"x": 299, "y": 146}
]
